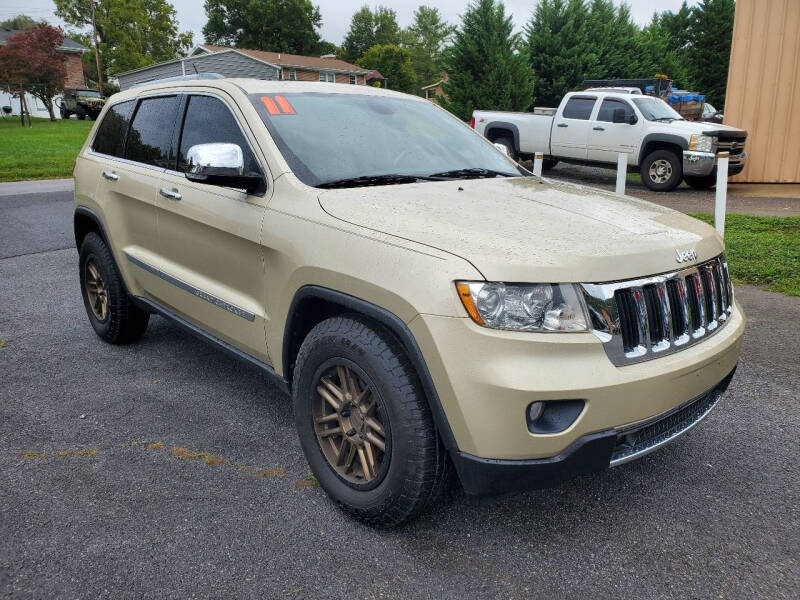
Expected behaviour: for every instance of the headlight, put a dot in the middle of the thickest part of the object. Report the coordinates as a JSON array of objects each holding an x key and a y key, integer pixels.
[
  {"x": 701, "y": 143},
  {"x": 524, "y": 306}
]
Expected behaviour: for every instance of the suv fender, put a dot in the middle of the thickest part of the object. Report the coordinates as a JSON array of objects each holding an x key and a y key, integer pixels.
[{"x": 293, "y": 334}]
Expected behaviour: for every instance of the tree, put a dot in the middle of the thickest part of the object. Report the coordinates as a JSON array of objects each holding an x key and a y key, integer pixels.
[
  {"x": 326, "y": 47},
  {"x": 560, "y": 51},
  {"x": 32, "y": 59},
  {"x": 711, "y": 34},
  {"x": 274, "y": 25},
  {"x": 133, "y": 33},
  {"x": 484, "y": 63},
  {"x": 426, "y": 38},
  {"x": 370, "y": 28},
  {"x": 20, "y": 22},
  {"x": 612, "y": 38},
  {"x": 394, "y": 63},
  {"x": 658, "y": 54}
]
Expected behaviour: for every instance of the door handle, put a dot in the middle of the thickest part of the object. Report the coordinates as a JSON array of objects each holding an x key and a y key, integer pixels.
[
  {"x": 598, "y": 128},
  {"x": 171, "y": 194},
  {"x": 562, "y": 125},
  {"x": 110, "y": 175}
]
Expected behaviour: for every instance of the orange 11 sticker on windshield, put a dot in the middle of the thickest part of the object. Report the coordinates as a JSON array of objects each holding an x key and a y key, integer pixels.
[{"x": 277, "y": 105}]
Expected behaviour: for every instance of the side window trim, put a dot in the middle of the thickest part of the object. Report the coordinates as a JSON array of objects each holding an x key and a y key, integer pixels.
[{"x": 185, "y": 108}]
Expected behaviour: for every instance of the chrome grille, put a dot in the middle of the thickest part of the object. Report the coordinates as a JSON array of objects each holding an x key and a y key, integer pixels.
[
  {"x": 642, "y": 319},
  {"x": 733, "y": 145}
]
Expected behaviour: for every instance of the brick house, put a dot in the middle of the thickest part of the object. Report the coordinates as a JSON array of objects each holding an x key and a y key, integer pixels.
[
  {"x": 434, "y": 91},
  {"x": 73, "y": 52},
  {"x": 259, "y": 64}
]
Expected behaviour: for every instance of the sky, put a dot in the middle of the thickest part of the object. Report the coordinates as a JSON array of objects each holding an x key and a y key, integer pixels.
[{"x": 336, "y": 14}]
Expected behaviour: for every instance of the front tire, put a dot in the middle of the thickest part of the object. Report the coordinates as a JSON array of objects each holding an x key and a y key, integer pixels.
[
  {"x": 112, "y": 314},
  {"x": 364, "y": 423},
  {"x": 700, "y": 182},
  {"x": 661, "y": 170}
]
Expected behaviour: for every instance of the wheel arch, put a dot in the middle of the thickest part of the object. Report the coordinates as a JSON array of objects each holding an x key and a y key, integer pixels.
[
  {"x": 86, "y": 221},
  {"x": 497, "y": 129},
  {"x": 312, "y": 304},
  {"x": 662, "y": 141}
]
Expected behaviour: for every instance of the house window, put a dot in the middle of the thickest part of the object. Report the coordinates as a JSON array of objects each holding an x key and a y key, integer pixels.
[
  {"x": 353, "y": 79},
  {"x": 327, "y": 76},
  {"x": 293, "y": 75}
]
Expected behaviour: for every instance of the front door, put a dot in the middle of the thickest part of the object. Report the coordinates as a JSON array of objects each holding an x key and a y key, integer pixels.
[
  {"x": 608, "y": 139},
  {"x": 211, "y": 261}
]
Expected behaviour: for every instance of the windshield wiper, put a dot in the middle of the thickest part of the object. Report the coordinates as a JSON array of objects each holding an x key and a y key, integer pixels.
[
  {"x": 365, "y": 180},
  {"x": 472, "y": 172}
]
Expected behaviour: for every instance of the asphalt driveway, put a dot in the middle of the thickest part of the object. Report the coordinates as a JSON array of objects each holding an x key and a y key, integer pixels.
[{"x": 169, "y": 470}]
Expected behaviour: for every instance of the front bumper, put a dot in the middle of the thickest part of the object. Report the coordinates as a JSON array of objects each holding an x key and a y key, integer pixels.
[
  {"x": 702, "y": 164},
  {"x": 590, "y": 453}
]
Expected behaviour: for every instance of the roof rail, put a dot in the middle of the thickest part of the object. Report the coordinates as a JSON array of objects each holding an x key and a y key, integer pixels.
[{"x": 180, "y": 78}]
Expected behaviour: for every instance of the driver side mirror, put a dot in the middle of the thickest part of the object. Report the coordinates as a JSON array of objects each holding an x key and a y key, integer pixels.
[
  {"x": 221, "y": 164},
  {"x": 620, "y": 116}
]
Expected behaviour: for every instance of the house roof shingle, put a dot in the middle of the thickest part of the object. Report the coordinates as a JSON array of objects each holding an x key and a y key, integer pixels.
[
  {"x": 68, "y": 44},
  {"x": 282, "y": 59}
]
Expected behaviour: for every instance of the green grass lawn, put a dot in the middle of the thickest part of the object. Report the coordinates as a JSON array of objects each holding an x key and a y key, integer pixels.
[
  {"x": 763, "y": 251},
  {"x": 44, "y": 151}
]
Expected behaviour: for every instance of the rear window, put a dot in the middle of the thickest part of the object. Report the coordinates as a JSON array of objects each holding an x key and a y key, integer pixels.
[
  {"x": 578, "y": 108},
  {"x": 150, "y": 136},
  {"x": 112, "y": 130}
]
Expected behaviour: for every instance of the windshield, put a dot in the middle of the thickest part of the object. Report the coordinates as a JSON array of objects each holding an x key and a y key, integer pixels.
[
  {"x": 333, "y": 137},
  {"x": 89, "y": 93},
  {"x": 654, "y": 109}
]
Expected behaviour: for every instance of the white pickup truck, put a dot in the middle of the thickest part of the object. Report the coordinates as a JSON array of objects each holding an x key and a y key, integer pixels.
[{"x": 594, "y": 126}]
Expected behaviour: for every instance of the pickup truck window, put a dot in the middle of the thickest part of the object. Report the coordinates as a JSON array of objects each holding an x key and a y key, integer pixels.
[
  {"x": 606, "y": 112},
  {"x": 579, "y": 107},
  {"x": 327, "y": 137},
  {"x": 654, "y": 109}
]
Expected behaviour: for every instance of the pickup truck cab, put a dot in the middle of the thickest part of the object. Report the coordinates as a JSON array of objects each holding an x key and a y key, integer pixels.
[{"x": 594, "y": 126}]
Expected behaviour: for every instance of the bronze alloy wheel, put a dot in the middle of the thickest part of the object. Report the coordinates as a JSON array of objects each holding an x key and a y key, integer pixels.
[
  {"x": 349, "y": 426},
  {"x": 96, "y": 290}
]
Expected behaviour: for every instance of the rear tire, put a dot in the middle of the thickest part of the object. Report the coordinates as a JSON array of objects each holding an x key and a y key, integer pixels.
[
  {"x": 700, "y": 182},
  {"x": 509, "y": 144},
  {"x": 661, "y": 170},
  {"x": 549, "y": 163},
  {"x": 352, "y": 360},
  {"x": 112, "y": 314}
]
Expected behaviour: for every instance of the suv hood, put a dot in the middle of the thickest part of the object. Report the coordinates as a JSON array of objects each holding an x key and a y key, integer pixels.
[{"x": 522, "y": 229}]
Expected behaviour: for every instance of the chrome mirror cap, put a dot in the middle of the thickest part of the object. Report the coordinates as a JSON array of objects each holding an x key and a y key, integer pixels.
[{"x": 204, "y": 160}]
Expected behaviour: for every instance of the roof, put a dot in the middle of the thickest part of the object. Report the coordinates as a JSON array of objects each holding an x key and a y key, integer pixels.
[
  {"x": 68, "y": 45},
  {"x": 281, "y": 59},
  {"x": 432, "y": 85}
]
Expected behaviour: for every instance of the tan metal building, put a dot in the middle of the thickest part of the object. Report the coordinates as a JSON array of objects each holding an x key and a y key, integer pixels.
[{"x": 763, "y": 93}]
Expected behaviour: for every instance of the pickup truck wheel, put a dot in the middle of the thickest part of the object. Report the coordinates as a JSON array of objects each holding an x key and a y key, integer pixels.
[
  {"x": 509, "y": 144},
  {"x": 661, "y": 170},
  {"x": 364, "y": 423},
  {"x": 700, "y": 182},
  {"x": 112, "y": 314}
]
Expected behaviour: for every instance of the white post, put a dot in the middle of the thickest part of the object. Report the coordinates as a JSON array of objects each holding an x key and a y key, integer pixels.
[
  {"x": 722, "y": 192},
  {"x": 537, "y": 163},
  {"x": 622, "y": 172}
]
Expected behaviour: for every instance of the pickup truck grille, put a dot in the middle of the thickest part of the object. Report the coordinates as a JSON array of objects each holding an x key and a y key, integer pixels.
[
  {"x": 646, "y": 318},
  {"x": 733, "y": 145}
]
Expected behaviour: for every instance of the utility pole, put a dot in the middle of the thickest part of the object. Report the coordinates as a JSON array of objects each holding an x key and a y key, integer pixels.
[{"x": 97, "y": 53}]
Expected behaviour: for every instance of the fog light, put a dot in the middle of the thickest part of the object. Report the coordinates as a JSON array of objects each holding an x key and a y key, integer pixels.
[{"x": 535, "y": 411}]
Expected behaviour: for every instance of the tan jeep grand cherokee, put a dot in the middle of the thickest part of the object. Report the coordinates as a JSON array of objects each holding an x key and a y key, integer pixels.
[{"x": 427, "y": 303}]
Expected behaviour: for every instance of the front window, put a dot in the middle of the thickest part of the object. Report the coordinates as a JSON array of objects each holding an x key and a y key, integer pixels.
[
  {"x": 353, "y": 79},
  {"x": 327, "y": 76},
  {"x": 327, "y": 138},
  {"x": 654, "y": 109}
]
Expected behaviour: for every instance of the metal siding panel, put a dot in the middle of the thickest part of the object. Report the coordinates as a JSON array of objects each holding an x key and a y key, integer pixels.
[{"x": 764, "y": 88}]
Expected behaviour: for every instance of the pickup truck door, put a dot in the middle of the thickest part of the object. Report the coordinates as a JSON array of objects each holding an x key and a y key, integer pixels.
[
  {"x": 211, "y": 269},
  {"x": 569, "y": 136},
  {"x": 607, "y": 139}
]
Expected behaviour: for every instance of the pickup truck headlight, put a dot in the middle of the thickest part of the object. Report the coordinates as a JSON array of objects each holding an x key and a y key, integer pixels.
[
  {"x": 701, "y": 143},
  {"x": 524, "y": 306}
]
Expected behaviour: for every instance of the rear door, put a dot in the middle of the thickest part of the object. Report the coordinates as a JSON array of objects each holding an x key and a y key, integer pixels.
[
  {"x": 570, "y": 134},
  {"x": 212, "y": 271},
  {"x": 608, "y": 139}
]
